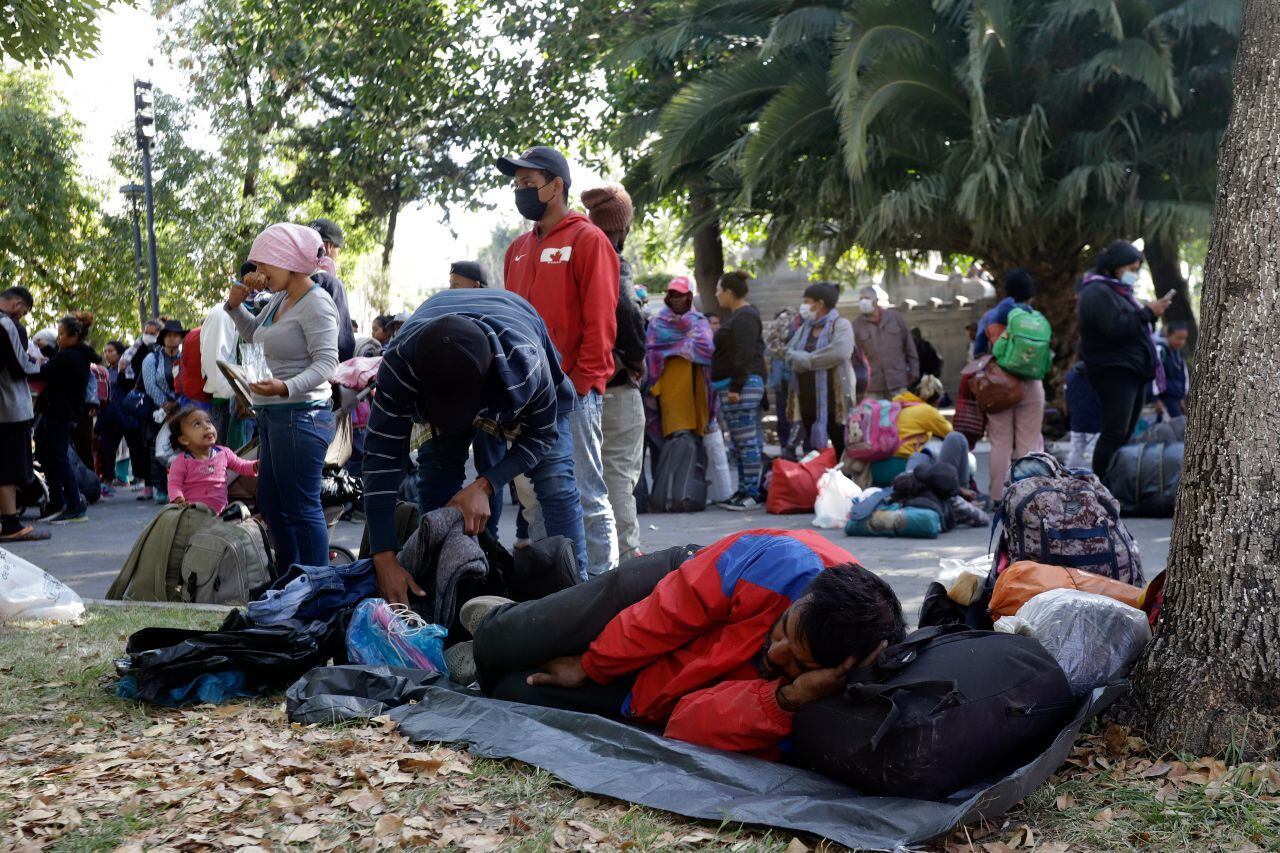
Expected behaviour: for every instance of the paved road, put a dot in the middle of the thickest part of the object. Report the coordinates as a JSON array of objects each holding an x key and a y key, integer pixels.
[{"x": 88, "y": 556}]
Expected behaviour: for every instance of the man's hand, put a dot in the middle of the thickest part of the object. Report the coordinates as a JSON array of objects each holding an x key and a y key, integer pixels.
[
  {"x": 473, "y": 501},
  {"x": 270, "y": 388},
  {"x": 735, "y": 398},
  {"x": 394, "y": 583},
  {"x": 560, "y": 672},
  {"x": 821, "y": 683}
]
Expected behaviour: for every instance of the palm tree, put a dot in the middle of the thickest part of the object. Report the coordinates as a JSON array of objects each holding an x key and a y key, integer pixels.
[{"x": 1022, "y": 132}]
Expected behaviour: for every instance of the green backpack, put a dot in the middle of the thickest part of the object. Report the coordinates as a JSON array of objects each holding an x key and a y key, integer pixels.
[
  {"x": 1023, "y": 349},
  {"x": 153, "y": 570}
]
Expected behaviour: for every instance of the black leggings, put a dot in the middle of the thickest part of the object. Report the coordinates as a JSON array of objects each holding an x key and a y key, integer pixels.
[
  {"x": 1122, "y": 393},
  {"x": 518, "y": 639}
]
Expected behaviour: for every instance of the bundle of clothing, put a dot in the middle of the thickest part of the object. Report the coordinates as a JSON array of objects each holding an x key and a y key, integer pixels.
[{"x": 304, "y": 619}]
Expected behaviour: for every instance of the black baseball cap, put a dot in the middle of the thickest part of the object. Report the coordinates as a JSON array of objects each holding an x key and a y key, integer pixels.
[
  {"x": 454, "y": 358},
  {"x": 471, "y": 270},
  {"x": 538, "y": 157},
  {"x": 329, "y": 231}
]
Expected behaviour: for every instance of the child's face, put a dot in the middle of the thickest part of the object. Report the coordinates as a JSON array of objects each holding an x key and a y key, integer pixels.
[
  {"x": 1177, "y": 339},
  {"x": 198, "y": 432}
]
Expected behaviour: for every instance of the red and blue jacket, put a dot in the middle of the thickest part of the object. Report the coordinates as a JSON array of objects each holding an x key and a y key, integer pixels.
[{"x": 694, "y": 641}]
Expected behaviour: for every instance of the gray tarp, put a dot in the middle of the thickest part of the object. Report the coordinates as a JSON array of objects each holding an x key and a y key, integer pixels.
[{"x": 601, "y": 756}]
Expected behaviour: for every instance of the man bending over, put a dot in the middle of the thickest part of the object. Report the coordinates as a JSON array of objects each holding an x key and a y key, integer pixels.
[{"x": 721, "y": 649}]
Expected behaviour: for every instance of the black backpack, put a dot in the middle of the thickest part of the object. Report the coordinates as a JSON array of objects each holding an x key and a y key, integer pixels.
[
  {"x": 944, "y": 709},
  {"x": 680, "y": 481}
]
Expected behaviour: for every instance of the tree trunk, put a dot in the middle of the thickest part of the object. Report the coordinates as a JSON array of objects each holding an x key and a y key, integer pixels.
[
  {"x": 392, "y": 216},
  {"x": 1163, "y": 261},
  {"x": 1210, "y": 681},
  {"x": 708, "y": 253}
]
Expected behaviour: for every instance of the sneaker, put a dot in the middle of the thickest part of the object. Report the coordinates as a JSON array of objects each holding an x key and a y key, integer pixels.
[
  {"x": 145, "y": 495},
  {"x": 52, "y": 514},
  {"x": 727, "y": 502},
  {"x": 742, "y": 503},
  {"x": 107, "y": 491},
  {"x": 161, "y": 497},
  {"x": 72, "y": 518},
  {"x": 475, "y": 611},
  {"x": 460, "y": 658}
]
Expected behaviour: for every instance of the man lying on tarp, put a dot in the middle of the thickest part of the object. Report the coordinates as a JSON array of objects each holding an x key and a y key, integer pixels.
[{"x": 720, "y": 649}]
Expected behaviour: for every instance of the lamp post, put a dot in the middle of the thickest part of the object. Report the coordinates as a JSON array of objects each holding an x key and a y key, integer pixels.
[
  {"x": 133, "y": 192},
  {"x": 144, "y": 122}
]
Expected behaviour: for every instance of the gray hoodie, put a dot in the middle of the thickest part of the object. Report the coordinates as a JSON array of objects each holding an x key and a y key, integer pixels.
[{"x": 15, "y": 366}]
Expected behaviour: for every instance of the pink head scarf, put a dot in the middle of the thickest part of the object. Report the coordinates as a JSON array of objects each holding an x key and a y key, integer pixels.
[{"x": 295, "y": 248}]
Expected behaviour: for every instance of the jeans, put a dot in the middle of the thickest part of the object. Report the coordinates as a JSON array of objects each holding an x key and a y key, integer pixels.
[
  {"x": 53, "y": 447},
  {"x": 600, "y": 539},
  {"x": 293, "y": 445},
  {"x": 622, "y": 451},
  {"x": 1014, "y": 433},
  {"x": 550, "y": 495},
  {"x": 1123, "y": 394},
  {"x": 517, "y": 639},
  {"x": 314, "y": 592},
  {"x": 442, "y": 467},
  {"x": 743, "y": 419},
  {"x": 954, "y": 452}
]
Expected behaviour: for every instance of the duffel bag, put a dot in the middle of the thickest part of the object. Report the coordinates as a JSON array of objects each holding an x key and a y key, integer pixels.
[
  {"x": 1144, "y": 478},
  {"x": 680, "y": 481},
  {"x": 944, "y": 709},
  {"x": 1024, "y": 580}
]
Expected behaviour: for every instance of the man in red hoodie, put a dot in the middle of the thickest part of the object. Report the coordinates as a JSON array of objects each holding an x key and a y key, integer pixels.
[
  {"x": 568, "y": 270},
  {"x": 718, "y": 648}
]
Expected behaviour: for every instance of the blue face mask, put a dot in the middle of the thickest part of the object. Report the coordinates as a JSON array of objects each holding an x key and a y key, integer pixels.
[{"x": 1130, "y": 278}]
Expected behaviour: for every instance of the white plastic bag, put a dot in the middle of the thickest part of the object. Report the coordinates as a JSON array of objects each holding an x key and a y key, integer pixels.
[
  {"x": 1093, "y": 638},
  {"x": 835, "y": 498},
  {"x": 963, "y": 578},
  {"x": 719, "y": 483},
  {"x": 164, "y": 446},
  {"x": 29, "y": 592}
]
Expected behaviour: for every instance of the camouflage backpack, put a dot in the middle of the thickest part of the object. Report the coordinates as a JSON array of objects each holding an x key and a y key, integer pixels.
[{"x": 1063, "y": 517}]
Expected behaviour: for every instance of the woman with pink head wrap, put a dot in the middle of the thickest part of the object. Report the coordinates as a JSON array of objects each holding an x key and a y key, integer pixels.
[{"x": 298, "y": 332}]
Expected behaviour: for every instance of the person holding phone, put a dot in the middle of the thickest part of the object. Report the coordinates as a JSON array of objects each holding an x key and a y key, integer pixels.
[
  {"x": 1116, "y": 344},
  {"x": 298, "y": 332}
]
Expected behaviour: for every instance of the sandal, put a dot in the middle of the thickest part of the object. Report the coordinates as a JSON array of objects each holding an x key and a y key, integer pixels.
[{"x": 26, "y": 534}]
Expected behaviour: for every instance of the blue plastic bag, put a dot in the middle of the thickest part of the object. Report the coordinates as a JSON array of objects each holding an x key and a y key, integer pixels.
[{"x": 393, "y": 635}]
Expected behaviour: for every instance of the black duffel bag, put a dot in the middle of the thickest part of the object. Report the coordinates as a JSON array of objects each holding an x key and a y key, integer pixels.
[
  {"x": 680, "y": 481},
  {"x": 944, "y": 709}
]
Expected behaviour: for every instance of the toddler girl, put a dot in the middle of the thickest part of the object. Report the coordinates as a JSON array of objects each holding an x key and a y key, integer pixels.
[{"x": 199, "y": 471}]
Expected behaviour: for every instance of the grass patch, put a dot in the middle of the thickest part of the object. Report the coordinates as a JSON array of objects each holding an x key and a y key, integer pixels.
[{"x": 85, "y": 771}]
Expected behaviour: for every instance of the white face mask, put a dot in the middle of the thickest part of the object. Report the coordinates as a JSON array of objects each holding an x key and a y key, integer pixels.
[
  {"x": 866, "y": 305},
  {"x": 1130, "y": 278},
  {"x": 806, "y": 311},
  {"x": 149, "y": 340}
]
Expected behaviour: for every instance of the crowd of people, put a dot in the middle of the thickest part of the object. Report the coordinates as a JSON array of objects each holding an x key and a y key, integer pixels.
[{"x": 556, "y": 387}]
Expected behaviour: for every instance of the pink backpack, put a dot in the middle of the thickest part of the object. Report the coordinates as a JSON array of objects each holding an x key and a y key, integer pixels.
[{"x": 872, "y": 433}]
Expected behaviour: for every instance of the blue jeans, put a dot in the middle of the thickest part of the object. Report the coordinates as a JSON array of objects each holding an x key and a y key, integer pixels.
[
  {"x": 293, "y": 444},
  {"x": 314, "y": 592},
  {"x": 588, "y": 472},
  {"x": 442, "y": 467}
]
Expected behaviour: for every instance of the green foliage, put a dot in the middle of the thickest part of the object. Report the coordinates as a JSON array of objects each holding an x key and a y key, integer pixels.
[
  {"x": 53, "y": 240},
  {"x": 39, "y": 32},
  {"x": 1017, "y": 132}
]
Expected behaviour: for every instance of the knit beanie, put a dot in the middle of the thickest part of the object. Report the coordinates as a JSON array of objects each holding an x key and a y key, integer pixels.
[
  {"x": 1019, "y": 284},
  {"x": 609, "y": 207}
]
